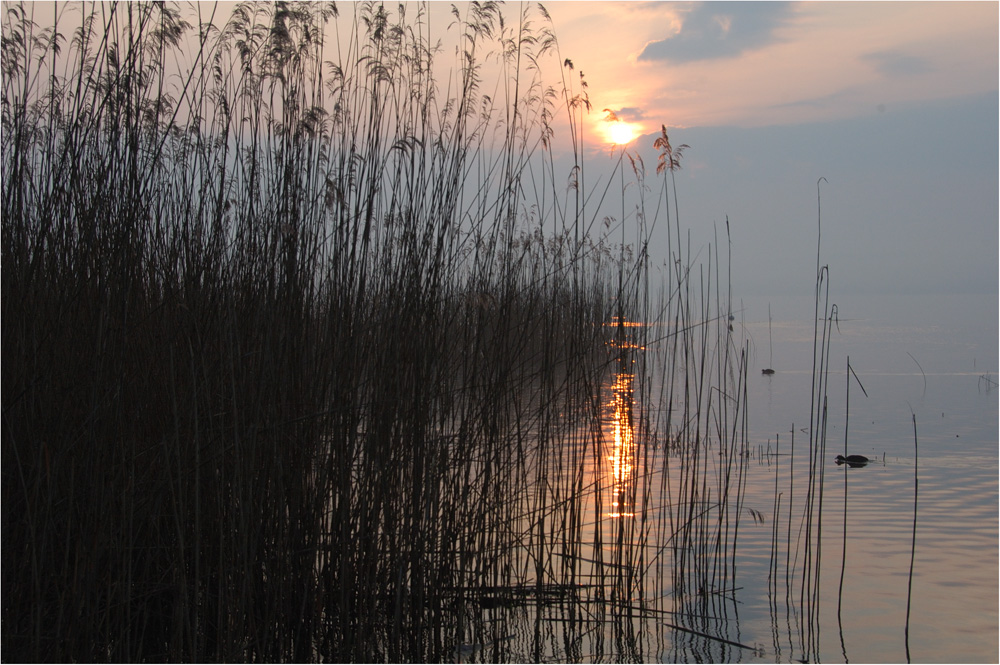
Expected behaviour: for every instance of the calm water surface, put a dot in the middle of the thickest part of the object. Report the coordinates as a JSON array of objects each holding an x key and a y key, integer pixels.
[
  {"x": 934, "y": 358},
  {"x": 930, "y": 498}
]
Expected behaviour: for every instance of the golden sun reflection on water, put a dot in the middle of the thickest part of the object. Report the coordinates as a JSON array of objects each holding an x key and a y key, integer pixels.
[
  {"x": 621, "y": 423},
  {"x": 623, "y": 453}
]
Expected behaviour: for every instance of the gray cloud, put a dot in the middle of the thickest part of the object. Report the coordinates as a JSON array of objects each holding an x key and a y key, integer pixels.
[
  {"x": 831, "y": 100},
  {"x": 630, "y": 114},
  {"x": 893, "y": 63},
  {"x": 720, "y": 30}
]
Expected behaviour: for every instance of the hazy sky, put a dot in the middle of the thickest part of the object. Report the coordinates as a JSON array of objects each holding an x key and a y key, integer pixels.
[{"x": 895, "y": 104}]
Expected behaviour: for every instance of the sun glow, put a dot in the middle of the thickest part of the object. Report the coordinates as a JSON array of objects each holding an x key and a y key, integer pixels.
[{"x": 621, "y": 132}]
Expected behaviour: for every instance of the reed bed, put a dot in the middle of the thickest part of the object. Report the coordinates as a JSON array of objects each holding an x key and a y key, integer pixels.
[{"x": 309, "y": 355}]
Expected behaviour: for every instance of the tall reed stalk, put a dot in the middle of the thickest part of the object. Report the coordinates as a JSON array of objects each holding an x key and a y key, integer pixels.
[{"x": 305, "y": 354}]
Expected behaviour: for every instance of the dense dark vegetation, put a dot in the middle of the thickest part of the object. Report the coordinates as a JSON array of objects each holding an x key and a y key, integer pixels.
[{"x": 306, "y": 352}]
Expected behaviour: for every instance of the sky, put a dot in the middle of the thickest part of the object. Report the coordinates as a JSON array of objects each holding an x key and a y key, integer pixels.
[
  {"x": 894, "y": 104},
  {"x": 769, "y": 63}
]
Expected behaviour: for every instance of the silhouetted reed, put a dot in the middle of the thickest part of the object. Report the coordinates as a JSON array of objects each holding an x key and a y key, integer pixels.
[
  {"x": 802, "y": 560},
  {"x": 297, "y": 366}
]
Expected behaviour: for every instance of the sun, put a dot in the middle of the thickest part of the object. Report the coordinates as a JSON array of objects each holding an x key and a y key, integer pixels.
[{"x": 621, "y": 132}]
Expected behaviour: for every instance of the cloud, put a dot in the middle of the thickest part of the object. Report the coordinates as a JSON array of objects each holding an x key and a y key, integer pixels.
[
  {"x": 828, "y": 101},
  {"x": 712, "y": 30},
  {"x": 894, "y": 63},
  {"x": 630, "y": 114}
]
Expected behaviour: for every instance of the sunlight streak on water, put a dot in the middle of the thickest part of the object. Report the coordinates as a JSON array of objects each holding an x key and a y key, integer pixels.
[
  {"x": 758, "y": 614},
  {"x": 623, "y": 457}
]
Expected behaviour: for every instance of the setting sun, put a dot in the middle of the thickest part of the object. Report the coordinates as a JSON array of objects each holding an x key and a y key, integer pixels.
[{"x": 621, "y": 132}]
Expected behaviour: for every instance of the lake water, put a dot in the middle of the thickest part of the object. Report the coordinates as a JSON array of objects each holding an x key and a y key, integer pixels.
[
  {"x": 932, "y": 358},
  {"x": 786, "y": 588}
]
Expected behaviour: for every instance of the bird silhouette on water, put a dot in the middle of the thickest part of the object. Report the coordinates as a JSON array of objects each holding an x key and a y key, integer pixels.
[{"x": 852, "y": 460}]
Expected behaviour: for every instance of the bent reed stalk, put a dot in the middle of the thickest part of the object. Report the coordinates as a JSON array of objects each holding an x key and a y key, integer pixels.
[{"x": 307, "y": 359}]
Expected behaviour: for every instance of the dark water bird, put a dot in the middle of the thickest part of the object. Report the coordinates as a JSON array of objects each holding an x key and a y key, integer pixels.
[
  {"x": 852, "y": 460},
  {"x": 768, "y": 371}
]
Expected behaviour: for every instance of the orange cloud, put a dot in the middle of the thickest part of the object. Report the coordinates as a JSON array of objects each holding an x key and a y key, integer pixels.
[{"x": 794, "y": 63}]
